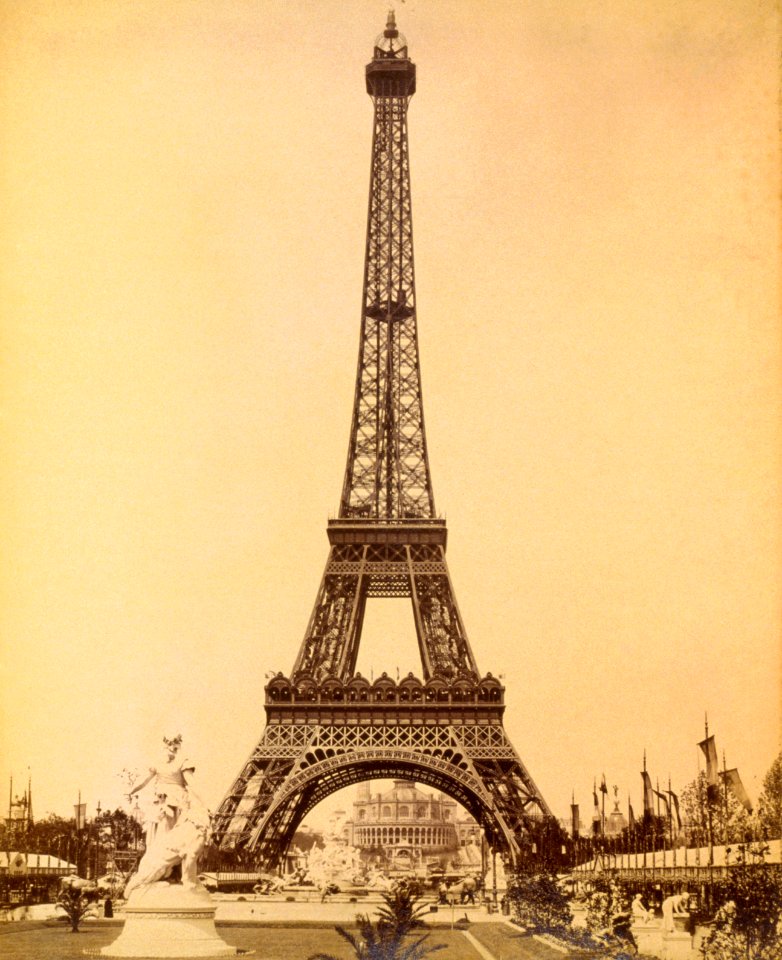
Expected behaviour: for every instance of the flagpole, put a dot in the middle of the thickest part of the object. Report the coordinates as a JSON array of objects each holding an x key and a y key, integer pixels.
[
  {"x": 701, "y": 812},
  {"x": 711, "y": 824},
  {"x": 574, "y": 816},
  {"x": 644, "y": 821},
  {"x": 670, "y": 822},
  {"x": 78, "y": 837},
  {"x": 725, "y": 835},
  {"x": 708, "y": 812}
]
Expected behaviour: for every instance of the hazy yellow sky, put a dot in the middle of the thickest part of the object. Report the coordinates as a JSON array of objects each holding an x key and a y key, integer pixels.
[{"x": 595, "y": 191}]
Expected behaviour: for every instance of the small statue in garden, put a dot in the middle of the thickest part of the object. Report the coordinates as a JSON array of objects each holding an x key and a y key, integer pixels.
[
  {"x": 674, "y": 906},
  {"x": 640, "y": 913}
]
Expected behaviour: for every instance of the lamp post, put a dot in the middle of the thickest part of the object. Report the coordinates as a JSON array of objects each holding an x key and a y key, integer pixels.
[
  {"x": 483, "y": 857},
  {"x": 79, "y": 810},
  {"x": 96, "y": 826},
  {"x": 114, "y": 847},
  {"x": 136, "y": 814}
]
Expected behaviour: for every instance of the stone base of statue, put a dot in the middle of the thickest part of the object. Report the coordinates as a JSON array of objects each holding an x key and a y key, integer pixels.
[
  {"x": 677, "y": 946},
  {"x": 649, "y": 938},
  {"x": 169, "y": 920}
]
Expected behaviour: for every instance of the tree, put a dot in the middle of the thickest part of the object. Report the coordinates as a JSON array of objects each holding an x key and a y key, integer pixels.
[
  {"x": 391, "y": 937},
  {"x": 538, "y": 903},
  {"x": 746, "y": 926},
  {"x": 649, "y": 833},
  {"x": 770, "y": 801},
  {"x": 701, "y": 806},
  {"x": 546, "y": 841},
  {"x": 607, "y": 900},
  {"x": 122, "y": 830}
]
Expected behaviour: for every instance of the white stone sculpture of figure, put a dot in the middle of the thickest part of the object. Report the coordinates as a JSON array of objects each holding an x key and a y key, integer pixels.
[
  {"x": 640, "y": 913},
  {"x": 675, "y": 906},
  {"x": 176, "y": 832}
]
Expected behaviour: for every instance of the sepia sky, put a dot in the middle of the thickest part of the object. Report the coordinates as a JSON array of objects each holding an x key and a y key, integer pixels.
[{"x": 595, "y": 196}]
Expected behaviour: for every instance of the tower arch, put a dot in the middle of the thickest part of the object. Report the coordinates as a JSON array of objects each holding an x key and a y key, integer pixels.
[{"x": 320, "y": 778}]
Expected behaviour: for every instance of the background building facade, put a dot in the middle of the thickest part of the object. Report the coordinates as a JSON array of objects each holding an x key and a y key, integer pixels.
[{"x": 405, "y": 827}]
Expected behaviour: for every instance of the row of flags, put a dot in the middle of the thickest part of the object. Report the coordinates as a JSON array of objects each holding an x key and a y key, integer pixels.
[
  {"x": 667, "y": 798},
  {"x": 666, "y": 802}
]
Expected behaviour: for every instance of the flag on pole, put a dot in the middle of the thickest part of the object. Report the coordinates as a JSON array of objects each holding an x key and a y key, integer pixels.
[
  {"x": 675, "y": 801},
  {"x": 709, "y": 749},
  {"x": 712, "y": 763},
  {"x": 575, "y": 818},
  {"x": 736, "y": 787},
  {"x": 81, "y": 815},
  {"x": 648, "y": 793},
  {"x": 661, "y": 795},
  {"x": 596, "y": 811},
  {"x": 29, "y": 798},
  {"x": 603, "y": 787},
  {"x": 630, "y": 815}
]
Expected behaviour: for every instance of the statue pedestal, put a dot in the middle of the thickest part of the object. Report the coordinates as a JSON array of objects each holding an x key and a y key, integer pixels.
[
  {"x": 579, "y": 914},
  {"x": 649, "y": 938},
  {"x": 677, "y": 946},
  {"x": 169, "y": 920}
]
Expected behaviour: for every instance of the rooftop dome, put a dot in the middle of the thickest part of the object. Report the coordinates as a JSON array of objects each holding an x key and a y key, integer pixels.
[{"x": 404, "y": 791}]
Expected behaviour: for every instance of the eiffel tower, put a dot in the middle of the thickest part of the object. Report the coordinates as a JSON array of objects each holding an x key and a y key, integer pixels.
[{"x": 327, "y": 726}]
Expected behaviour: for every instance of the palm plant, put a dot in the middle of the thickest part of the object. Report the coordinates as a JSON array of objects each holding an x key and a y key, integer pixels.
[
  {"x": 75, "y": 904},
  {"x": 391, "y": 936}
]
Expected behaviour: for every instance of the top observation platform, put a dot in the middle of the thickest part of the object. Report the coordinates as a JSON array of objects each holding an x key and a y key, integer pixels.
[{"x": 391, "y": 72}]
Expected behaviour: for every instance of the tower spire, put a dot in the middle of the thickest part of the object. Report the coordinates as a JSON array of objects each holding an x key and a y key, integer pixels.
[{"x": 387, "y": 540}]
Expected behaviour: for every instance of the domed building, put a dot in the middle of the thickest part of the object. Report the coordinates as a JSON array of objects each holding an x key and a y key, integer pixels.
[
  {"x": 616, "y": 821},
  {"x": 408, "y": 828}
]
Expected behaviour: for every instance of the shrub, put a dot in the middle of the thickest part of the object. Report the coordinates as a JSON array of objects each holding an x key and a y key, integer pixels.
[
  {"x": 747, "y": 926},
  {"x": 391, "y": 936},
  {"x": 75, "y": 904},
  {"x": 606, "y": 901},
  {"x": 538, "y": 903}
]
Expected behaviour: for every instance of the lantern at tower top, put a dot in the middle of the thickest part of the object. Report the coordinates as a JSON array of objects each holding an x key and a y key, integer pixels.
[
  {"x": 391, "y": 43},
  {"x": 391, "y": 72}
]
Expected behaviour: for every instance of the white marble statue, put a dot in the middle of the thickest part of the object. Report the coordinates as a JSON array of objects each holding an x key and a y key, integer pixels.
[
  {"x": 675, "y": 906},
  {"x": 639, "y": 911},
  {"x": 336, "y": 861},
  {"x": 177, "y": 821}
]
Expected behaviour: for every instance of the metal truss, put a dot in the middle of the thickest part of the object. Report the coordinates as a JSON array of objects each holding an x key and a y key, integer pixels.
[
  {"x": 387, "y": 474},
  {"x": 358, "y": 571},
  {"x": 328, "y": 727},
  {"x": 294, "y": 768}
]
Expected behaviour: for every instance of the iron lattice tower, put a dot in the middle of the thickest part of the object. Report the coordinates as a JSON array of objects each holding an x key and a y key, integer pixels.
[{"x": 327, "y": 726}]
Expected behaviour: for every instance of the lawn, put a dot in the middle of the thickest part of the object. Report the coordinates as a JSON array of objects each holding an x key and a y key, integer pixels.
[
  {"x": 29, "y": 940},
  {"x": 506, "y": 943}
]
